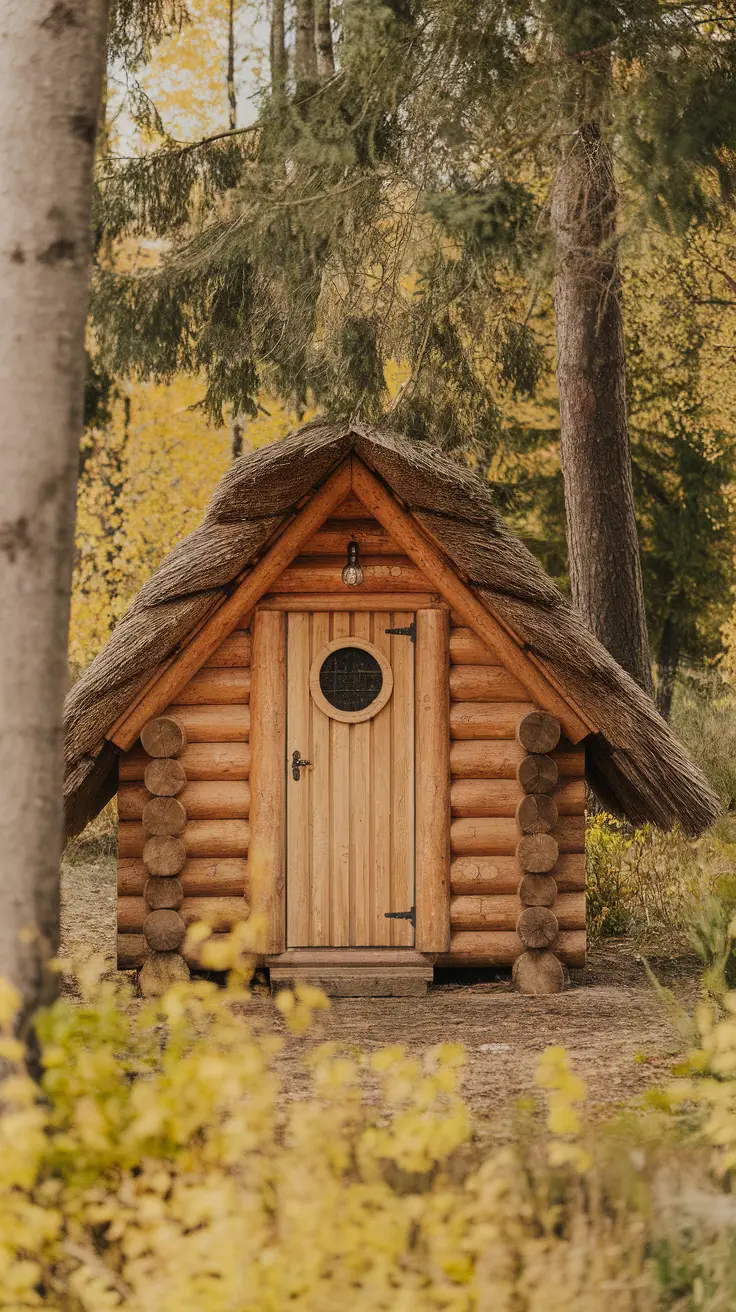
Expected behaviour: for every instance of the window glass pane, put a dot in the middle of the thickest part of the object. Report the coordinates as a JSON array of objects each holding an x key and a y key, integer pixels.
[{"x": 350, "y": 679}]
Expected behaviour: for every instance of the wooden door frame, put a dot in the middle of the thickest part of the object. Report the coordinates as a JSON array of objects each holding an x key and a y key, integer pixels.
[
  {"x": 267, "y": 847},
  {"x": 432, "y": 780}
]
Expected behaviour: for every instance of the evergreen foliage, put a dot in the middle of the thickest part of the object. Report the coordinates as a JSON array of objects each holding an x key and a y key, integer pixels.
[{"x": 397, "y": 210}]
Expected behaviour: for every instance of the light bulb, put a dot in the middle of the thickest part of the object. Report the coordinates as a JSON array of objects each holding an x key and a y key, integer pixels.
[{"x": 352, "y": 574}]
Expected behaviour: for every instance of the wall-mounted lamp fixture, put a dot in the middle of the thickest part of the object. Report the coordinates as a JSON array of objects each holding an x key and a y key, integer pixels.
[{"x": 352, "y": 574}]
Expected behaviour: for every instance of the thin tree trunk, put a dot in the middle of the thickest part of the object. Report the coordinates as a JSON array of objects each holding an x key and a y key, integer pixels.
[
  {"x": 605, "y": 568},
  {"x": 278, "y": 47},
  {"x": 231, "y": 98},
  {"x": 668, "y": 663},
  {"x": 237, "y": 433},
  {"x": 305, "y": 52},
  {"x": 51, "y": 63},
  {"x": 323, "y": 40}
]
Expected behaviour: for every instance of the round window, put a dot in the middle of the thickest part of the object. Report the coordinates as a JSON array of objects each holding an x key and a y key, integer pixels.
[{"x": 351, "y": 680}]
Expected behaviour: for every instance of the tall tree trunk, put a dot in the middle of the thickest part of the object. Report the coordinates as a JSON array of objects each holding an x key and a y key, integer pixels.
[
  {"x": 668, "y": 662},
  {"x": 323, "y": 40},
  {"x": 231, "y": 97},
  {"x": 605, "y": 568},
  {"x": 278, "y": 47},
  {"x": 305, "y": 51},
  {"x": 51, "y": 62}
]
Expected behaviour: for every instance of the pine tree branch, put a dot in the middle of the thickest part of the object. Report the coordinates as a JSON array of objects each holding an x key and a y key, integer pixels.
[{"x": 186, "y": 147}]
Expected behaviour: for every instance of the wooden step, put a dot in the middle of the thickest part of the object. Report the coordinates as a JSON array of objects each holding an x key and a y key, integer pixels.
[
  {"x": 350, "y": 957},
  {"x": 356, "y": 981}
]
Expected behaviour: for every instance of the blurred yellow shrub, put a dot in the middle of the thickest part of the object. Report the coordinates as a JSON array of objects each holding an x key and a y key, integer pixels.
[{"x": 161, "y": 1166}]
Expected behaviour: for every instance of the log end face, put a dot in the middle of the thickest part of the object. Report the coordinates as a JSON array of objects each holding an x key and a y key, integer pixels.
[
  {"x": 164, "y": 930},
  {"x": 538, "y": 891},
  {"x": 164, "y": 856},
  {"x": 164, "y": 736},
  {"x": 164, "y": 777},
  {"x": 164, "y": 893},
  {"x": 537, "y": 773},
  {"x": 537, "y": 927},
  {"x": 159, "y": 971},
  {"x": 537, "y": 973},
  {"x": 538, "y": 732},
  {"x": 537, "y": 853},
  {"x": 164, "y": 817},
  {"x": 536, "y": 814}
]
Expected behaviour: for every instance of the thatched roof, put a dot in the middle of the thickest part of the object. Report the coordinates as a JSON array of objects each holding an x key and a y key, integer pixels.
[{"x": 636, "y": 765}]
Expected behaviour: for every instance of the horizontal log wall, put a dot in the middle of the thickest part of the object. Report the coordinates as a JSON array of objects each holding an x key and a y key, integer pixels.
[
  {"x": 501, "y": 797},
  {"x": 501, "y": 911},
  {"x": 201, "y": 877},
  {"x": 200, "y": 838},
  {"x": 492, "y": 759},
  {"x": 489, "y": 875},
  {"x": 204, "y": 800},
  {"x": 213, "y": 710},
  {"x": 496, "y": 835},
  {"x": 487, "y": 703},
  {"x": 222, "y": 913},
  {"x": 201, "y": 761},
  {"x": 470, "y": 947}
]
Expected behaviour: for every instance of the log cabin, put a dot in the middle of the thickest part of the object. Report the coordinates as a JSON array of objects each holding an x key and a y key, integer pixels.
[{"x": 352, "y": 704}]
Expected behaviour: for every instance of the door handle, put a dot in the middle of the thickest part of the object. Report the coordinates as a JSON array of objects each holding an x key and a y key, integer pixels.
[{"x": 297, "y": 765}]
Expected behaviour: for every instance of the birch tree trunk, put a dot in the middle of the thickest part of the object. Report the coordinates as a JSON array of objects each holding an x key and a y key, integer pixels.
[
  {"x": 323, "y": 41},
  {"x": 603, "y": 546},
  {"x": 51, "y": 63}
]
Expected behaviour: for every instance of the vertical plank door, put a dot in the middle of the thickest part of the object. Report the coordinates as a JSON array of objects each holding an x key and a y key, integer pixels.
[{"x": 350, "y": 816}]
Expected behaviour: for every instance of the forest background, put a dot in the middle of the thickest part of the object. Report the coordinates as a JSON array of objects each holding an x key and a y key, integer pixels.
[
  {"x": 445, "y": 325},
  {"x": 163, "y": 1160}
]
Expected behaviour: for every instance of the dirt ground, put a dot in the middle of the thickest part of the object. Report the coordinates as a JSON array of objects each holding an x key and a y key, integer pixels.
[{"x": 620, "y": 1034}]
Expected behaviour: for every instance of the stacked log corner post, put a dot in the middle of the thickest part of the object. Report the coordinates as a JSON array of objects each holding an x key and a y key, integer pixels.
[
  {"x": 164, "y": 855},
  {"x": 537, "y": 970}
]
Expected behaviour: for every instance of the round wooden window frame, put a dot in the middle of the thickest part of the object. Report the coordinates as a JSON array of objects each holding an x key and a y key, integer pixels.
[{"x": 334, "y": 712}]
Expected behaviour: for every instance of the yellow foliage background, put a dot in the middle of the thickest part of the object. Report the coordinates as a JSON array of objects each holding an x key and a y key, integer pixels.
[{"x": 145, "y": 483}]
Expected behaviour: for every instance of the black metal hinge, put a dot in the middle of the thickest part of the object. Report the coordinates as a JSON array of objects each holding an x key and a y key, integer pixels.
[
  {"x": 403, "y": 915},
  {"x": 409, "y": 632}
]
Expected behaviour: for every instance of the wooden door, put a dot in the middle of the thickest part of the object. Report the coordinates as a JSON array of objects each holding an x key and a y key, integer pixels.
[{"x": 350, "y": 815}]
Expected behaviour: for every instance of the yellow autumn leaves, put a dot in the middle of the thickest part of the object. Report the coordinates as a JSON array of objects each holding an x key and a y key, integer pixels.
[
  {"x": 163, "y": 1166},
  {"x": 145, "y": 483}
]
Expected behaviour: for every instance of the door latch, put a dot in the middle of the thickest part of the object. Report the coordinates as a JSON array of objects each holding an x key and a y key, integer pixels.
[
  {"x": 409, "y": 632},
  {"x": 403, "y": 915},
  {"x": 297, "y": 765}
]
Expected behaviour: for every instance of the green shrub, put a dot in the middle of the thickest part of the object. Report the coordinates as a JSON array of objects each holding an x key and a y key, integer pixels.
[
  {"x": 704, "y": 718},
  {"x": 607, "y": 894},
  {"x": 665, "y": 886},
  {"x": 662, "y": 888}
]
